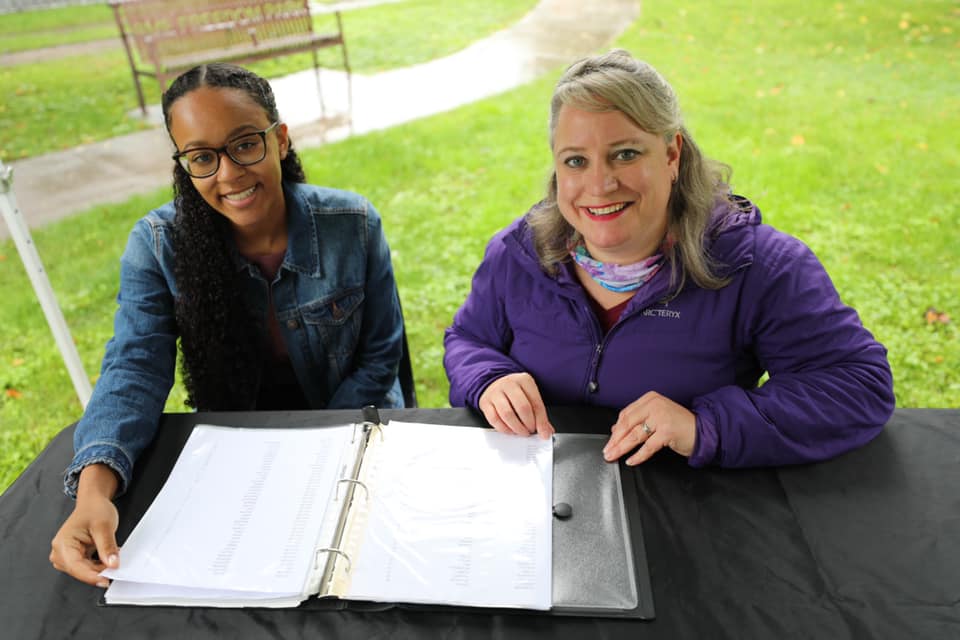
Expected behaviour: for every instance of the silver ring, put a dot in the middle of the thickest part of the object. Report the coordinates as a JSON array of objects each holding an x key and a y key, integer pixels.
[{"x": 646, "y": 429}]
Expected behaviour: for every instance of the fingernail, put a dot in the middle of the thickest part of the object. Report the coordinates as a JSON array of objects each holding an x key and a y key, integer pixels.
[
  {"x": 103, "y": 584},
  {"x": 606, "y": 454},
  {"x": 112, "y": 560}
]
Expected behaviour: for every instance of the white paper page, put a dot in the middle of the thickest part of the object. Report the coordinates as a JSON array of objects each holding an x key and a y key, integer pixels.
[
  {"x": 458, "y": 516},
  {"x": 242, "y": 510},
  {"x": 138, "y": 593}
]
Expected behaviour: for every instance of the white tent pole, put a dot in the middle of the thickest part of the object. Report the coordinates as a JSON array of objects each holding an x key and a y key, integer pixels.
[{"x": 41, "y": 285}]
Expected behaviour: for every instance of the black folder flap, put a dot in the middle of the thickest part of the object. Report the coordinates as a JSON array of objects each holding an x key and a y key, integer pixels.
[{"x": 599, "y": 561}]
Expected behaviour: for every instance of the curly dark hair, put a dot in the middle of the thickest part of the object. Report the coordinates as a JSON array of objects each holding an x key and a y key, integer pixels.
[{"x": 222, "y": 343}]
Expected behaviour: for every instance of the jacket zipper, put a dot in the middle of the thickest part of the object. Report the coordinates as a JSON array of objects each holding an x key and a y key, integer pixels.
[{"x": 592, "y": 384}]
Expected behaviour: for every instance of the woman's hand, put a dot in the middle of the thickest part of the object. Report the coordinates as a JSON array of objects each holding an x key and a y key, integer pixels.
[
  {"x": 512, "y": 404},
  {"x": 92, "y": 527},
  {"x": 651, "y": 423}
]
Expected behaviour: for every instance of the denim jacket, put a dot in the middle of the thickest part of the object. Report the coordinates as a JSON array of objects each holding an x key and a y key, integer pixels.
[{"x": 336, "y": 303}]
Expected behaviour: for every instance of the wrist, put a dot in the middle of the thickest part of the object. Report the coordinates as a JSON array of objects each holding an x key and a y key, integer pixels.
[{"x": 97, "y": 481}]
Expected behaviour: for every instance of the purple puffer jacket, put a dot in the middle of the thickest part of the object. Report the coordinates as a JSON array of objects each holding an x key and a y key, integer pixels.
[{"x": 830, "y": 388}]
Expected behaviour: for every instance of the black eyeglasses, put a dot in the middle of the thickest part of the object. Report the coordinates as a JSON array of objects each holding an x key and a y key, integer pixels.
[{"x": 203, "y": 162}]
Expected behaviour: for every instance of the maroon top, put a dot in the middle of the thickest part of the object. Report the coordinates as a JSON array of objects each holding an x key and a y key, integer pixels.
[
  {"x": 279, "y": 388},
  {"x": 608, "y": 317}
]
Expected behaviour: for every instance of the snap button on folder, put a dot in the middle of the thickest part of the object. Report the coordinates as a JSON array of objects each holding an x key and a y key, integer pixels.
[{"x": 562, "y": 511}]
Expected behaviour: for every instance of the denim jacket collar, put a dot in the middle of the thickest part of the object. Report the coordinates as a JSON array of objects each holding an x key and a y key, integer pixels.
[{"x": 303, "y": 237}]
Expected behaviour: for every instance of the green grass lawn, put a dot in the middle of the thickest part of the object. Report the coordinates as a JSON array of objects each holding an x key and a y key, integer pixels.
[
  {"x": 841, "y": 121},
  {"x": 26, "y": 30},
  {"x": 48, "y": 106}
]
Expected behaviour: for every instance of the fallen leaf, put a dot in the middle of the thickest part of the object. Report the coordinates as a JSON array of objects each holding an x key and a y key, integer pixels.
[
  {"x": 13, "y": 393},
  {"x": 17, "y": 362},
  {"x": 798, "y": 140},
  {"x": 932, "y": 316}
]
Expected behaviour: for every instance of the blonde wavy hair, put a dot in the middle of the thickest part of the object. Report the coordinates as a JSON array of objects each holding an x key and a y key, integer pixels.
[{"x": 616, "y": 81}]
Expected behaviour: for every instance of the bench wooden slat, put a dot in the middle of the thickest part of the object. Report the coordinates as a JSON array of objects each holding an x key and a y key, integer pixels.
[
  {"x": 247, "y": 52},
  {"x": 163, "y": 38}
]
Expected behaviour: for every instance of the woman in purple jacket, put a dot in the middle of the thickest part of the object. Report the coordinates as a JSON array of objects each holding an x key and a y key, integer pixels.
[{"x": 642, "y": 283}]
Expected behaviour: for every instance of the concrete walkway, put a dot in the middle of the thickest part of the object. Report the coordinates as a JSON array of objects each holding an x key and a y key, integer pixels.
[{"x": 553, "y": 34}]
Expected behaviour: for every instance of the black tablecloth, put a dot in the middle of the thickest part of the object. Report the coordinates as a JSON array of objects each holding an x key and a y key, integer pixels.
[{"x": 864, "y": 546}]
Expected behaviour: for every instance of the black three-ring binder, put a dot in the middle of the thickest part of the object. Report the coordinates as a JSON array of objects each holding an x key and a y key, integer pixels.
[{"x": 599, "y": 559}]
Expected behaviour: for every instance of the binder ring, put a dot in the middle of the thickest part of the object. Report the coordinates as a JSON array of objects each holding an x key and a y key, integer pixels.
[
  {"x": 374, "y": 425},
  {"x": 316, "y": 563},
  {"x": 369, "y": 426},
  {"x": 366, "y": 492}
]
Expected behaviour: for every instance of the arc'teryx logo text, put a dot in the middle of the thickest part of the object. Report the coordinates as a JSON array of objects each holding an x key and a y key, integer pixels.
[{"x": 662, "y": 313}]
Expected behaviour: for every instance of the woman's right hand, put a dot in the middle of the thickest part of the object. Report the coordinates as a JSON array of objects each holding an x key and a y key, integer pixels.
[
  {"x": 90, "y": 529},
  {"x": 512, "y": 404}
]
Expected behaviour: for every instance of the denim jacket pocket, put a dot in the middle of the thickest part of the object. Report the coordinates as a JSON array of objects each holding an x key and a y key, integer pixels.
[{"x": 336, "y": 321}]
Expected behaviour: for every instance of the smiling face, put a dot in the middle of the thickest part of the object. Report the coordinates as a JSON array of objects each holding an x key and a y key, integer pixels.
[
  {"x": 250, "y": 197},
  {"x": 613, "y": 182}
]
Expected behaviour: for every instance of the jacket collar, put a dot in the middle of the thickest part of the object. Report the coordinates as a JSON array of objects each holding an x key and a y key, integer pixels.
[
  {"x": 303, "y": 234},
  {"x": 730, "y": 234}
]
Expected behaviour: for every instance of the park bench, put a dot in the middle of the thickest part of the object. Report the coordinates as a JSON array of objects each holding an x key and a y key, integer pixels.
[{"x": 164, "y": 38}]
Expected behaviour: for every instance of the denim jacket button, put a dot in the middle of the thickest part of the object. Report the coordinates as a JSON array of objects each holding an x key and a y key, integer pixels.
[
  {"x": 292, "y": 324},
  {"x": 593, "y": 386}
]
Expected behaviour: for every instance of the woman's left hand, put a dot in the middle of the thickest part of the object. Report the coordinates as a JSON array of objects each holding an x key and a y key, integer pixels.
[{"x": 651, "y": 423}]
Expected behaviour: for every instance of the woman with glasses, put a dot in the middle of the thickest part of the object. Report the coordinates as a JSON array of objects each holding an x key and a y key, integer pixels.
[{"x": 280, "y": 294}]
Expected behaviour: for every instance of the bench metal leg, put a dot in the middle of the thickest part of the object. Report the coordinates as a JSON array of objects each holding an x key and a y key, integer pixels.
[
  {"x": 316, "y": 71},
  {"x": 133, "y": 66},
  {"x": 346, "y": 67}
]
